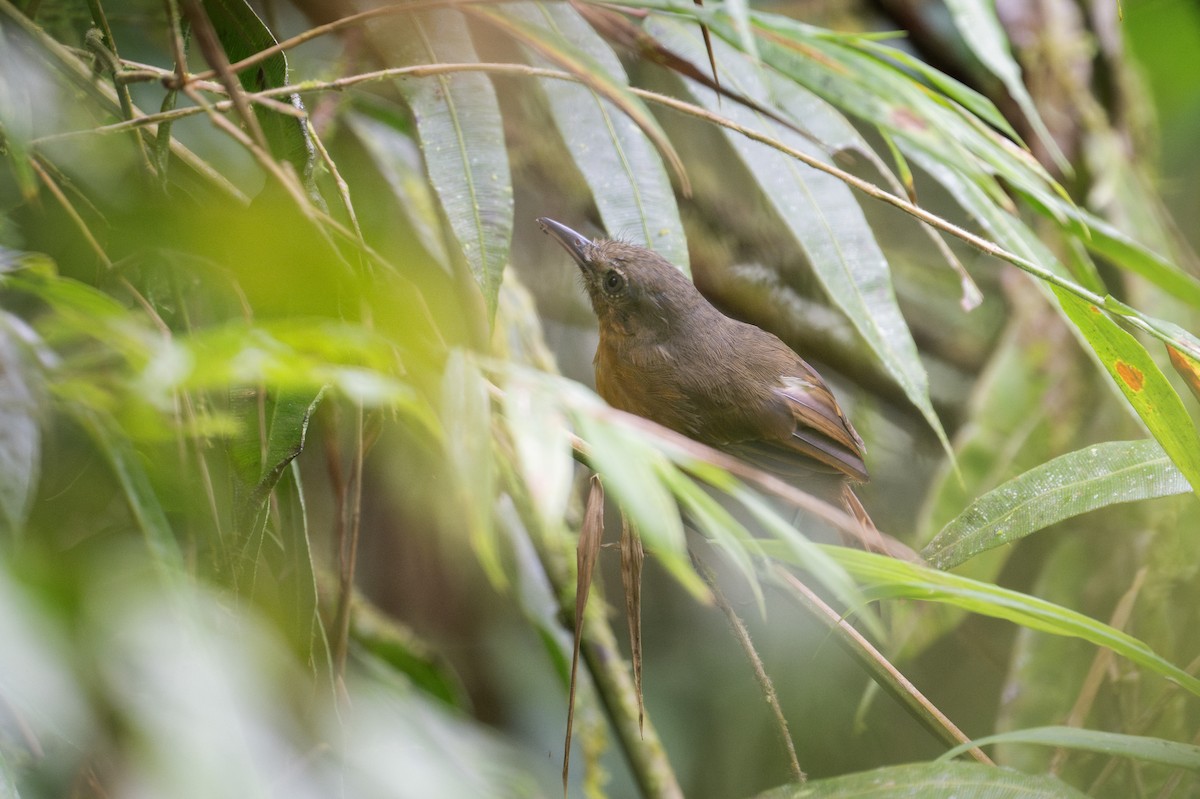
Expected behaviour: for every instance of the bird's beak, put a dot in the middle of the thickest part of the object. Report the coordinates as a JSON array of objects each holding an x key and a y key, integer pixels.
[{"x": 571, "y": 241}]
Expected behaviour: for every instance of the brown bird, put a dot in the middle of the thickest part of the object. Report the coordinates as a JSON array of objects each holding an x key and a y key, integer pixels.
[{"x": 668, "y": 355}]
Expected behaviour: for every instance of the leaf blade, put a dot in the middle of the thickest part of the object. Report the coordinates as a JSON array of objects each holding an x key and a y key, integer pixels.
[
  {"x": 470, "y": 175},
  {"x": 1071, "y": 484}
]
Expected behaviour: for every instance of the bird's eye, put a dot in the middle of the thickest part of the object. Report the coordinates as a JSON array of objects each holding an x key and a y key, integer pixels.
[{"x": 614, "y": 281}]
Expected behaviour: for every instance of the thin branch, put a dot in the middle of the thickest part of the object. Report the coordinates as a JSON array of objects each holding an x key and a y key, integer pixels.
[
  {"x": 866, "y": 187},
  {"x": 345, "y": 22},
  {"x": 742, "y": 634},
  {"x": 348, "y": 550},
  {"x": 113, "y": 58},
  {"x": 214, "y": 54},
  {"x": 888, "y": 676}
]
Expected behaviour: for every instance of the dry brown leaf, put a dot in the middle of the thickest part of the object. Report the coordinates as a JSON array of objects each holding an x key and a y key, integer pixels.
[{"x": 586, "y": 553}]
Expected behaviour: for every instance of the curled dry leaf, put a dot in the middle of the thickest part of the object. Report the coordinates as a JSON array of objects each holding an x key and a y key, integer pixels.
[{"x": 586, "y": 552}]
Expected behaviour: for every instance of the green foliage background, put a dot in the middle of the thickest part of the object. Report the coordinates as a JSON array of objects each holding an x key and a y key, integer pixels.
[{"x": 295, "y": 419}]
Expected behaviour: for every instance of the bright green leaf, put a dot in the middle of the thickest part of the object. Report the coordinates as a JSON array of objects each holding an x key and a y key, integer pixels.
[
  {"x": 1071, "y": 484},
  {"x": 1141, "y": 381},
  {"x": 1138, "y": 747},
  {"x": 462, "y": 137}
]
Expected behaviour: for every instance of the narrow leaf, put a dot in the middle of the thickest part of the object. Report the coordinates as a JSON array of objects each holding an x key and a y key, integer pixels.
[
  {"x": 1071, "y": 484},
  {"x": 242, "y": 34},
  {"x": 630, "y": 468},
  {"x": 462, "y": 137},
  {"x": 587, "y": 551},
  {"x": 888, "y": 578},
  {"x": 981, "y": 31},
  {"x": 1138, "y": 747},
  {"x": 1107, "y": 240},
  {"x": 930, "y": 781},
  {"x": 825, "y": 219},
  {"x": 613, "y": 153},
  {"x": 1141, "y": 381}
]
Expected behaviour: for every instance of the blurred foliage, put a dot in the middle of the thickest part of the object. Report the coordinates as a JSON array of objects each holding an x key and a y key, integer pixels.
[{"x": 290, "y": 478}]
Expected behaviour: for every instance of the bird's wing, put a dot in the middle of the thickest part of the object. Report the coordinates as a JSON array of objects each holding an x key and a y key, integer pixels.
[
  {"x": 811, "y": 424},
  {"x": 821, "y": 430}
]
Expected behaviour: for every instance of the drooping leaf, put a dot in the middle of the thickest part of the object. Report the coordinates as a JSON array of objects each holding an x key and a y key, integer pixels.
[
  {"x": 242, "y": 34},
  {"x": 632, "y": 557},
  {"x": 1112, "y": 744},
  {"x": 587, "y": 552},
  {"x": 631, "y": 470},
  {"x": 930, "y": 781},
  {"x": 619, "y": 162},
  {"x": 824, "y": 218},
  {"x": 887, "y": 578},
  {"x": 398, "y": 160},
  {"x": 980, "y": 29},
  {"x": 1141, "y": 381},
  {"x": 462, "y": 138},
  {"x": 1071, "y": 484}
]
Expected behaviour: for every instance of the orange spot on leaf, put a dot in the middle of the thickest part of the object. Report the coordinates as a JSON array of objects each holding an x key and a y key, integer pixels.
[
  {"x": 1131, "y": 375},
  {"x": 1187, "y": 367}
]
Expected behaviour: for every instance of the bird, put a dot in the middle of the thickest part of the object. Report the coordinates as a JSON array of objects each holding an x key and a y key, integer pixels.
[{"x": 668, "y": 355}]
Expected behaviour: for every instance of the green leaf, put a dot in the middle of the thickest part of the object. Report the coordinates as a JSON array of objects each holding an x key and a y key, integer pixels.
[
  {"x": 1105, "y": 239},
  {"x": 959, "y": 92},
  {"x": 1141, "y": 381},
  {"x": 462, "y": 137},
  {"x": 888, "y": 578},
  {"x": 1138, "y": 747},
  {"x": 982, "y": 33},
  {"x": 849, "y": 72},
  {"x": 467, "y": 421},
  {"x": 821, "y": 213},
  {"x": 1071, "y": 484},
  {"x": 243, "y": 34},
  {"x": 20, "y": 432},
  {"x": 719, "y": 526},
  {"x": 632, "y": 473},
  {"x": 930, "y": 781},
  {"x": 398, "y": 161},
  {"x": 625, "y": 173},
  {"x": 542, "y": 441}
]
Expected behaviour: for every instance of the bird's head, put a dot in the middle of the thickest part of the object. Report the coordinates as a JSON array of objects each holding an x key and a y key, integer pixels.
[{"x": 633, "y": 289}]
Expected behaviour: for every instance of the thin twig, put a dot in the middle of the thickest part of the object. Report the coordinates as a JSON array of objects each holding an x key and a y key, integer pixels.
[
  {"x": 215, "y": 55},
  {"x": 866, "y": 187},
  {"x": 122, "y": 90},
  {"x": 888, "y": 676},
  {"x": 1101, "y": 662},
  {"x": 742, "y": 634},
  {"x": 348, "y": 551}
]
